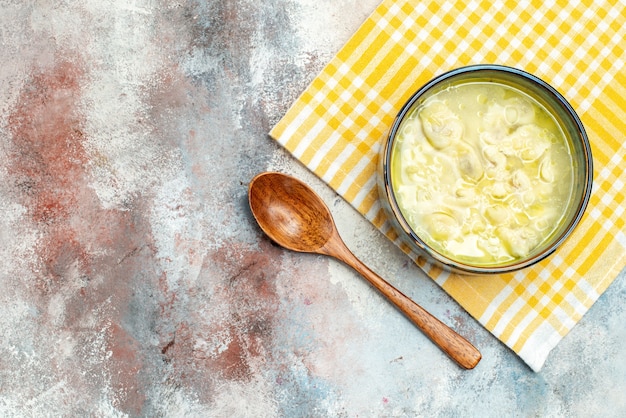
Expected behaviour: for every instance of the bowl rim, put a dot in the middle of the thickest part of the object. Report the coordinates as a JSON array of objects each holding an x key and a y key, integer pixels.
[{"x": 463, "y": 267}]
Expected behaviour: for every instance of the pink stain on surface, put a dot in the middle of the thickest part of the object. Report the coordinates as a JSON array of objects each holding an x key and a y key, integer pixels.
[
  {"x": 86, "y": 254},
  {"x": 230, "y": 334},
  {"x": 47, "y": 163},
  {"x": 126, "y": 356}
]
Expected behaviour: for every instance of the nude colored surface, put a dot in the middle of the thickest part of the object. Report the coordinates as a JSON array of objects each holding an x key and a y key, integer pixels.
[{"x": 134, "y": 282}]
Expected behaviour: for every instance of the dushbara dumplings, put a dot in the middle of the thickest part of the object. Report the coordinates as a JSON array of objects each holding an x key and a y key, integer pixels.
[{"x": 482, "y": 172}]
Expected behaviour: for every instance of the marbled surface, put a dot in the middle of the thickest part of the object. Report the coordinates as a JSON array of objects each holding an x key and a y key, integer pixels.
[{"x": 134, "y": 282}]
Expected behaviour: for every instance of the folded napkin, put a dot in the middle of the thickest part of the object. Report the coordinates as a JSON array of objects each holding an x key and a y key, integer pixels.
[{"x": 336, "y": 128}]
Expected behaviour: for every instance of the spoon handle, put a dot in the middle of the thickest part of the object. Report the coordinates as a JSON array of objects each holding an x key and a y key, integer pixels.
[{"x": 454, "y": 345}]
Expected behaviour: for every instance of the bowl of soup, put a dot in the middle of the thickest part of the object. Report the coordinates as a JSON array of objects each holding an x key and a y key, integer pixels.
[{"x": 486, "y": 169}]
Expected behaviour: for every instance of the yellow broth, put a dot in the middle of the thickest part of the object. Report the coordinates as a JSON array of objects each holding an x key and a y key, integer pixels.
[{"x": 482, "y": 173}]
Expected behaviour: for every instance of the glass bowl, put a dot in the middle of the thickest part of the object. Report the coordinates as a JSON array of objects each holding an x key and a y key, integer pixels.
[{"x": 486, "y": 169}]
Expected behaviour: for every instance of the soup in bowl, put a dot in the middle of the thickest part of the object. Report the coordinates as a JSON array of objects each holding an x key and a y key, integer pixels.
[{"x": 486, "y": 169}]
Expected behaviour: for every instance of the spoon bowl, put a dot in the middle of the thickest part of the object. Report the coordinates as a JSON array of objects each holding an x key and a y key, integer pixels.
[
  {"x": 290, "y": 213},
  {"x": 295, "y": 217}
]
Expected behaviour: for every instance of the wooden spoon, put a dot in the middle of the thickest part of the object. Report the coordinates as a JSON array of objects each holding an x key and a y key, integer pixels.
[{"x": 293, "y": 216}]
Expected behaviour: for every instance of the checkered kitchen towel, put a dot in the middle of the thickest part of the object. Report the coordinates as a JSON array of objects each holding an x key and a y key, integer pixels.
[{"x": 337, "y": 126}]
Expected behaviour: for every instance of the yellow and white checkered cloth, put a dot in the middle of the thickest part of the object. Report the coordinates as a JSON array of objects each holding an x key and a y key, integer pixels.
[{"x": 337, "y": 126}]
